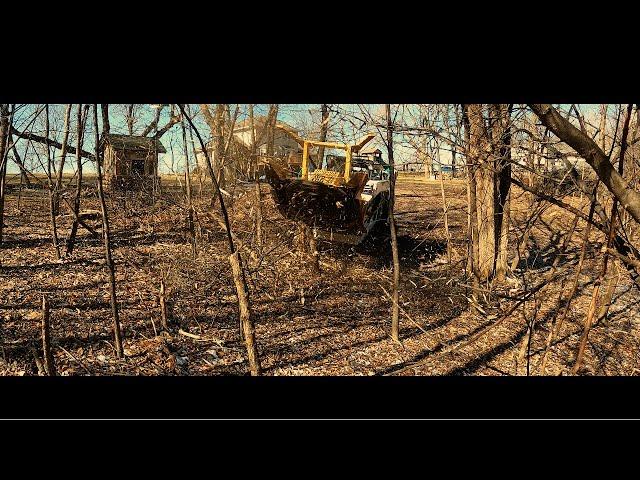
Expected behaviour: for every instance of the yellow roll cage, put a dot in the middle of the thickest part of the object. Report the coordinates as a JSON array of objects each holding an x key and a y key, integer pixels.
[{"x": 349, "y": 149}]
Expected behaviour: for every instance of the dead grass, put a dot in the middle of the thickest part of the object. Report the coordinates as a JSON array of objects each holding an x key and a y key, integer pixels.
[{"x": 333, "y": 323}]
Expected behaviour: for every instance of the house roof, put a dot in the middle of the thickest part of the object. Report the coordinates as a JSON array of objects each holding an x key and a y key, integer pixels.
[
  {"x": 260, "y": 122},
  {"x": 370, "y": 150},
  {"x": 133, "y": 142}
]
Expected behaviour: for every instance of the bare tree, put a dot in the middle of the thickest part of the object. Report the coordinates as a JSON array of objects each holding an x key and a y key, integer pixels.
[
  {"x": 130, "y": 117},
  {"x": 154, "y": 123},
  {"x": 501, "y": 135},
  {"x": 5, "y": 123},
  {"x": 106, "y": 236},
  {"x": 472, "y": 209},
  {"x": 395, "y": 319},
  {"x": 254, "y": 158},
  {"x": 324, "y": 128},
  {"x": 187, "y": 177},
  {"x": 106, "y": 125},
  {"x": 593, "y": 154},
  {"x": 484, "y": 191},
  {"x": 216, "y": 126},
  {"x": 51, "y": 185},
  {"x": 63, "y": 156},
  {"x": 557, "y": 323},
  {"x": 80, "y": 118},
  {"x": 612, "y": 227},
  {"x": 235, "y": 260},
  {"x": 24, "y": 173},
  {"x": 47, "y": 354},
  {"x": 490, "y": 180}
]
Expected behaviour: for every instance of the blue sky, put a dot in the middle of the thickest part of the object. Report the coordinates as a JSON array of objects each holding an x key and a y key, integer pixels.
[{"x": 303, "y": 116}]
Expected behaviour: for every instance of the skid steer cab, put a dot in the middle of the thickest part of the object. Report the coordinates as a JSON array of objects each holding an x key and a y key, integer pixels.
[{"x": 342, "y": 198}]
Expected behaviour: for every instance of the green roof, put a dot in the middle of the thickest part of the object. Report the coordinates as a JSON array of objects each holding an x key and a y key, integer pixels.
[{"x": 133, "y": 142}]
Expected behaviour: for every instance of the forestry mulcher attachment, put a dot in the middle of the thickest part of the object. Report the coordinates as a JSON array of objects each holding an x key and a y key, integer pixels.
[{"x": 342, "y": 199}]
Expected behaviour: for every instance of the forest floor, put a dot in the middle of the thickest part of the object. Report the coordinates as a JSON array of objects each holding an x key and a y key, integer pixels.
[{"x": 335, "y": 322}]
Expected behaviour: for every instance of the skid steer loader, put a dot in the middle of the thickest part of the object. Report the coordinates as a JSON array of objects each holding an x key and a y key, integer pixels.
[{"x": 342, "y": 199}]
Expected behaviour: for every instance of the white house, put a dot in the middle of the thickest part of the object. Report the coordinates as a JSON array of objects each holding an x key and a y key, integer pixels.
[
  {"x": 284, "y": 140},
  {"x": 285, "y": 144},
  {"x": 552, "y": 159}
]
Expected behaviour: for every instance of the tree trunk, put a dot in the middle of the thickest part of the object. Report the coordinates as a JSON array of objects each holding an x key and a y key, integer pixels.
[
  {"x": 612, "y": 228},
  {"x": 472, "y": 213},
  {"x": 427, "y": 161},
  {"x": 236, "y": 265},
  {"x": 47, "y": 355},
  {"x": 106, "y": 126},
  {"x": 63, "y": 155},
  {"x": 324, "y": 128},
  {"x": 210, "y": 163},
  {"x": 273, "y": 121},
  {"x": 4, "y": 140},
  {"x": 254, "y": 159},
  {"x": 502, "y": 143},
  {"x": 164, "y": 320},
  {"x": 215, "y": 166},
  {"x": 153, "y": 126},
  {"x": 47, "y": 141},
  {"x": 608, "y": 296},
  {"x": 445, "y": 207},
  {"x": 76, "y": 202},
  {"x": 106, "y": 235},
  {"x": 245, "y": 313},
  {"x": 24, "y": 174},
  {"x": 313, "y": 250},
  {"x": 485, "y": 192},
  {"x": 189, "y": 192},
  {"x": 219, "y": 143},
  {"x": 52, "y": 195},
  {"x": 130, "y": 119},
  {"x": 603, "y": 126},
  {"x": 395, "y": 319},
  {"x": 557, "y": 324},
  {"x": 594, "y": 156},
  {"x": 489, "y": 153}
]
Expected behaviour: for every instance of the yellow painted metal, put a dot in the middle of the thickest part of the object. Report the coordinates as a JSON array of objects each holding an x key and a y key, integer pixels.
[
  {"x": 315, "y": 143},
  {"x": 347, "y": 164},
  {"x": 363, "y": 141},
  {"x": 296, "y": 137},
  {"x": 328, "y": 177},
  {"x": 305, "y": 161},
  {"x": 349, "y": 149}
]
